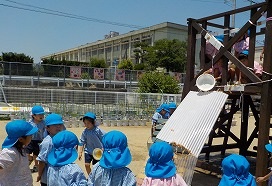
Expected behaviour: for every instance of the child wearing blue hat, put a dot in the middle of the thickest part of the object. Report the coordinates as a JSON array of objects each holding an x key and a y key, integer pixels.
[
  {"x": 162, "y": 112},
  {"x": 236, "y": 171},
  {"x": 172, "y": 107},
  {"x": 257, "y": 69},
  {"x": 269, "y": 175},
  {"x": 14, "y": 169},
  {"x": 111, "y": 169},
  {"x": 54, "y": 124},
  {"x": 160, "y": 169},
  {"x": 37, "y": 114},
  {"x": 62, "y": 169},
  {"x": 90, "y": 139}
]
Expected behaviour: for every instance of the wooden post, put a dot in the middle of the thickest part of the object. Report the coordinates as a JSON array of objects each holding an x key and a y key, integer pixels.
[
  {"x": 225, "y": 60},
  {"x": 244, "y": 125},
  {"x": 266, "y": 94},
  {"x": 190, "y": 68}
]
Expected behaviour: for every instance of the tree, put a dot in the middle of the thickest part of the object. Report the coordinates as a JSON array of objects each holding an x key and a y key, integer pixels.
[
  {"x": 158, "y": 82},
  {"x": 140, "y": 52},
  {"x": 169, "y": 54},
  {"x": 126, "y": 64},
  {"x": 14, "y": 57},
  {"x": 98, "y": 63},
  {"x": 23, "y": 64}
]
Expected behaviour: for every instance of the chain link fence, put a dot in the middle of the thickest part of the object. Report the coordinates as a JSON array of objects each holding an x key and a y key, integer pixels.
[{"x": 111, "y": 107}]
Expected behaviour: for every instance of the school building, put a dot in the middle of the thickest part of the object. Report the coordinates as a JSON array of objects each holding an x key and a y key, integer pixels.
[{"x": 115, "y": 47}]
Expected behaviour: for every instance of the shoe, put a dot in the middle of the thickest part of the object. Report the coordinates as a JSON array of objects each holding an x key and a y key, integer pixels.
[{"x": 35, "y": 169}]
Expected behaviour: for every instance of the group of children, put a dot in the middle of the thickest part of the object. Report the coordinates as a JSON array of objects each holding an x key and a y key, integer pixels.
[
  {"x": 59, "y": 149},
  {"x": 240, "y": 48}
]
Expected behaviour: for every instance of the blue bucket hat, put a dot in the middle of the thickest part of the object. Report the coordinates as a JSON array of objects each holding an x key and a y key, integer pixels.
[
  {"x": 37, "y": 109},
  {"x": 220, "y": 38},
  {"x": 236, "y": 172},
  {"x": 243, "y": 54},
  {"x": 268, "y": 147},
  {"x": 89, "y": 115},
  {"x": 53, "y": 119},
  {"x": 172, "y": 105},
  {"x": 16, "y": 129},
  {"x": 163, "y": 106},
  {"x": 64, "y": 151},
  {"x": 160, "y": 163},
  {"x": 116, "y": 153}
]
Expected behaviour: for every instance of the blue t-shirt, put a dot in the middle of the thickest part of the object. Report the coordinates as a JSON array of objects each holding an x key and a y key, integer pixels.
[
  {"x": 41, "y": 130},
  {"x": 70, "y": 174},
  {"x": 91, "y": 139},
  {"x": 45, "y": 147},
  {"x": 107, "y": 177}
]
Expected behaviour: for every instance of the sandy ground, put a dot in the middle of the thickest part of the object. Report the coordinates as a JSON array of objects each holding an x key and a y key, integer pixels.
[{"x": 138, "y": 136}]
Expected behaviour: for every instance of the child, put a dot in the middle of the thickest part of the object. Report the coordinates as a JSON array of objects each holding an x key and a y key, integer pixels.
[
  {"x": 33, "y": 147},
  {"x": 111, "y": 169},
  {"x": 172, "y": 108},
  {"x": 210, "y": 50},
  {"x": 269, "y": 175},
  {"x": 241, "y": 45},
  {"x": 217, "y": 68},
  {"x": 54, "y": 124},
  {"x": 62, "y": 170},
  {"x": 236, "y": 171},
  {"x": 90, "y": 139},
  {"x": 14, "y": 167},
  {"x": 258, "y": 69},
  {"x": 160, "y": 169},
  {"x": 161, "y": 113}
]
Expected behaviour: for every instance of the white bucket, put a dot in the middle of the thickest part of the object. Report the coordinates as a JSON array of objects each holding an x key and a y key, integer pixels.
[{"x": 205, "y": 82}]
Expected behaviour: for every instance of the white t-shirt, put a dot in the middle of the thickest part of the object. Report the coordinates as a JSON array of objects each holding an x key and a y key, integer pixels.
[{"x": 15, "y": 169}]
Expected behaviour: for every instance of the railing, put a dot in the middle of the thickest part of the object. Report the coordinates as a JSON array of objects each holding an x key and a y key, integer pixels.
[{"x": 14, "y": 73}]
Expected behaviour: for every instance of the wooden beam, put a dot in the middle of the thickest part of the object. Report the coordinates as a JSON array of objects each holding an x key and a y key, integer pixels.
[
  {"x": 266, "y": 98},
  {"x": 239, "y": 10},
  {"x": 224, "y": 51}
]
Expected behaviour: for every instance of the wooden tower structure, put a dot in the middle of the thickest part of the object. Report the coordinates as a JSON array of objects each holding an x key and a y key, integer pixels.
[{"x": 257, "y": 86}]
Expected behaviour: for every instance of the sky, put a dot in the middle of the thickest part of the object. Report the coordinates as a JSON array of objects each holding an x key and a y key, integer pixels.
[{"x": 42, "y": 27}]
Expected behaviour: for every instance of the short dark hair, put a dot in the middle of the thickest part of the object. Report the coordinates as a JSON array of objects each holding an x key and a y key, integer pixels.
[
  {"x": 19, "y": 146},
  {"x": 89, "y": 119},
  {"x": 242, "y": 56}
]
